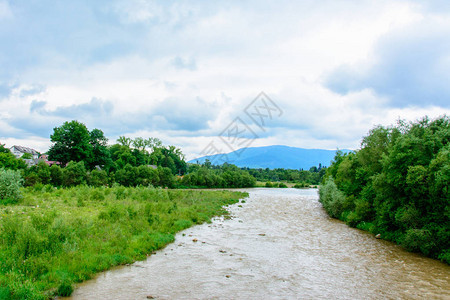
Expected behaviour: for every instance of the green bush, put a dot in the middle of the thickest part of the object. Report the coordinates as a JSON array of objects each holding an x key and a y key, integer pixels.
[
  {"x": 56, "y": 175},
  {"x": 331, "y": 198},
  {"x": 10, "y": 184},
  {"x": 97, "y": 178},
  {"x": 301, "y": 185},
  {"x": 74, "y": 174},
  {"x": 418, "y": 240}
]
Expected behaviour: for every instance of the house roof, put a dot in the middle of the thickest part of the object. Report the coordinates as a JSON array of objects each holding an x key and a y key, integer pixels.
[{"x": 25, "y": 150}]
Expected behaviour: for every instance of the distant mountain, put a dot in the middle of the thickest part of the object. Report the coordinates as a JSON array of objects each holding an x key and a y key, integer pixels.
[{"x": 273, "y": 157}]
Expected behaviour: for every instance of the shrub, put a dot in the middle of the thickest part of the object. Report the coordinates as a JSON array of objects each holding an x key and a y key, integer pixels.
[
  {"x": 331, "y": 198},
  {"x": 56, "y": 175},
  {"x": 418, "y": 240},
  {"x": 10, "y": 184},
  {"x": 97, "y": 178},
  {"x": 301, "y": 185},
  {"x": 74, "y": 174},
  {"x": 65, "y": 289}
]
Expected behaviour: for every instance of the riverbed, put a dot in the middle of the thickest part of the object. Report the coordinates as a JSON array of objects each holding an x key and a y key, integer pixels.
[{"x": 279, "y": 244}]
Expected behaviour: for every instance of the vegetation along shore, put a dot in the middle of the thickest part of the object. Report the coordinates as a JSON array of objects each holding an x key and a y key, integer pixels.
[
  {"x": 53, "y": 238},
  {"x": 396, "y": 186}
]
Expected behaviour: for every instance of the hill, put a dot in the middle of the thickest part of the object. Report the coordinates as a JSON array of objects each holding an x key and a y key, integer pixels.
[{"x": 273, "y": 157}]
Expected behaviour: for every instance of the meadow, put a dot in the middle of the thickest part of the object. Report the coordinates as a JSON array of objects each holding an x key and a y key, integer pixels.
[{"x": 53, "y": 238}]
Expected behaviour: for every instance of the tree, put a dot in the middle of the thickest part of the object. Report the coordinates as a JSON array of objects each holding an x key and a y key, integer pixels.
[
  {"x": 139, "y": 144},
  {"x": 97, "y": 178},
  {"x": 153, "y": 143},
  {"x": 9, "y": 161},
  {"x": 124, "y": 141},
  {"x": 26, "y": 156},
  {"x": 100, "y": 153},
  {"x": 74, "y": 174},
  {"x": 56, "y": 175},
  {"x": 10, "y": 183},
  {"x": 71, "y": 143}
]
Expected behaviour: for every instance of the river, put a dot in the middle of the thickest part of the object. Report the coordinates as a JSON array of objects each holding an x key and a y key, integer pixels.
[{"x": 279, "y": 244}]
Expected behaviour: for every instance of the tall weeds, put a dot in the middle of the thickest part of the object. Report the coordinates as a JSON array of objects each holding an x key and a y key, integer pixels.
[{"x": 54, "y": 238}]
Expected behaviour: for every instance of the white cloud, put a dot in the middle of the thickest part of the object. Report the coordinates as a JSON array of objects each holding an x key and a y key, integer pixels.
[
  {"x": 136, "y": 11},
  {"x": 193, "y": 67},
  {"x": 5, "y": 10}
]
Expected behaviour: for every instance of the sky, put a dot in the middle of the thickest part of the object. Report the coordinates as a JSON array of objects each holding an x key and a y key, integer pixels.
[{"x": 187, "y": 71}]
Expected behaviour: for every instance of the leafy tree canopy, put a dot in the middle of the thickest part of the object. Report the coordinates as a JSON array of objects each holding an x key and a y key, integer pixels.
[{"x": 73, "y": 142}]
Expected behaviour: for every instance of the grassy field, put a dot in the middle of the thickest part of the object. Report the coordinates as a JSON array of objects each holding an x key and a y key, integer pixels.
[{"x": 56, "y": 237}]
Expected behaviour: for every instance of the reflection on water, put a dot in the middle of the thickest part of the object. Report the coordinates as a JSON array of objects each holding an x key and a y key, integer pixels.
[{"x": 279, "y": 245}]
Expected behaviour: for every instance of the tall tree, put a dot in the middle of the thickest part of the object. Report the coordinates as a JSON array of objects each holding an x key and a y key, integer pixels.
[
  {"x": 139, "y": 144},
  {"x": 124, "y": 141},
  {"x": 73, "y": 142},
  {"x": 101, "y": 155}
]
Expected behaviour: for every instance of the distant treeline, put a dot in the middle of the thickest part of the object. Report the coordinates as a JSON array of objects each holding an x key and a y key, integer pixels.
[
  {"x": 87, "y": 159},
  {"x": 208, "y": 176},
  {"x": 396, "y": 185},
  {"x": 84, "y": 158},
  {"x": 313, "y": 176}
]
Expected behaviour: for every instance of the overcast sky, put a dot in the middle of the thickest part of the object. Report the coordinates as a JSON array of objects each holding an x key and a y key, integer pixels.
[{"x": 183, "y": 70}]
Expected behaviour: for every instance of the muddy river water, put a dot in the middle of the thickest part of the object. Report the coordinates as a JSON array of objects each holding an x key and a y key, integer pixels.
[{"x": 279, "y": 244}]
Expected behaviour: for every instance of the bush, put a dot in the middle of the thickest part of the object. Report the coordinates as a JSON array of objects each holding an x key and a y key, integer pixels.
[
  {"x": 74, "y": 174},
  {"x": 97, "y": 178},
  {"x": 331, "y": 198},
  {"x": 10, "y": 184},
  {"x": 301, "y": 185},
  {"x": 56, "y": 175},
  {"x": 418, "y": 240}
]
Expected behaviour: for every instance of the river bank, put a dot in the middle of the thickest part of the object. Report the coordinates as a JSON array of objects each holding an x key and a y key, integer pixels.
[
  {"x": 56, "y": 237},
  {"x": 279, "y": 244}
]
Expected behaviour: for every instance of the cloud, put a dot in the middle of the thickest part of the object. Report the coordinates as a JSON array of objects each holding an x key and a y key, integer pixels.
[
  {"x": 5, "y": 90},
  {"x": 96, "y": 108},
  {"x": 411, "y": 67},
  {"x": 181, "y": 63},
  {"x": 5, "y": 10},
  {"x": 182, "y": 71},
  {"x": 37, "y": 105}
]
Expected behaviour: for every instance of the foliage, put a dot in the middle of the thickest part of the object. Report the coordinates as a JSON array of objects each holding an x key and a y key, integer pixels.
[
  {"x": 9, "y": 161},
  {"x": 399, "y": 183},
  {"x": 332, "y": 198},
  {"x": 269, "y": 184},
  {"x": 48, "y": 241},
  {"x": 97, "y": 178},
  {"x": 224, "y": 176},
  {"x": 74, "y": 174},
  {"x": 26, "y": 156},
  {"x": 72, "y": 141},
  {"x": 312, "y": 176},
  {"x": 10, "y": 183},
  {"x": 56, "y": 175}
]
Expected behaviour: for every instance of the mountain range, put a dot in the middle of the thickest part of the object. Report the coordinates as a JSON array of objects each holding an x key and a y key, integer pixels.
[{"x": 273, "y": 157}]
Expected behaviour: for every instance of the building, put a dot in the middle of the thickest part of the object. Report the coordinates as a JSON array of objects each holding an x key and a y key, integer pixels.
[
  {"x": 19, "y": 151},
  {"x": 44, "y": 158}
]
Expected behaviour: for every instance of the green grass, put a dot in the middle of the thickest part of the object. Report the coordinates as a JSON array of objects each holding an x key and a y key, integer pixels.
[{"x": 54, "y": 238}]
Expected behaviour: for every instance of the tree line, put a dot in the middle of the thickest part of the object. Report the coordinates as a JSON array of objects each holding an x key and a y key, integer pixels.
[
  {"x": 396, "y": 185},
  {"x": 84, "y": 157},
  {"x": 312, "y": 176}
]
